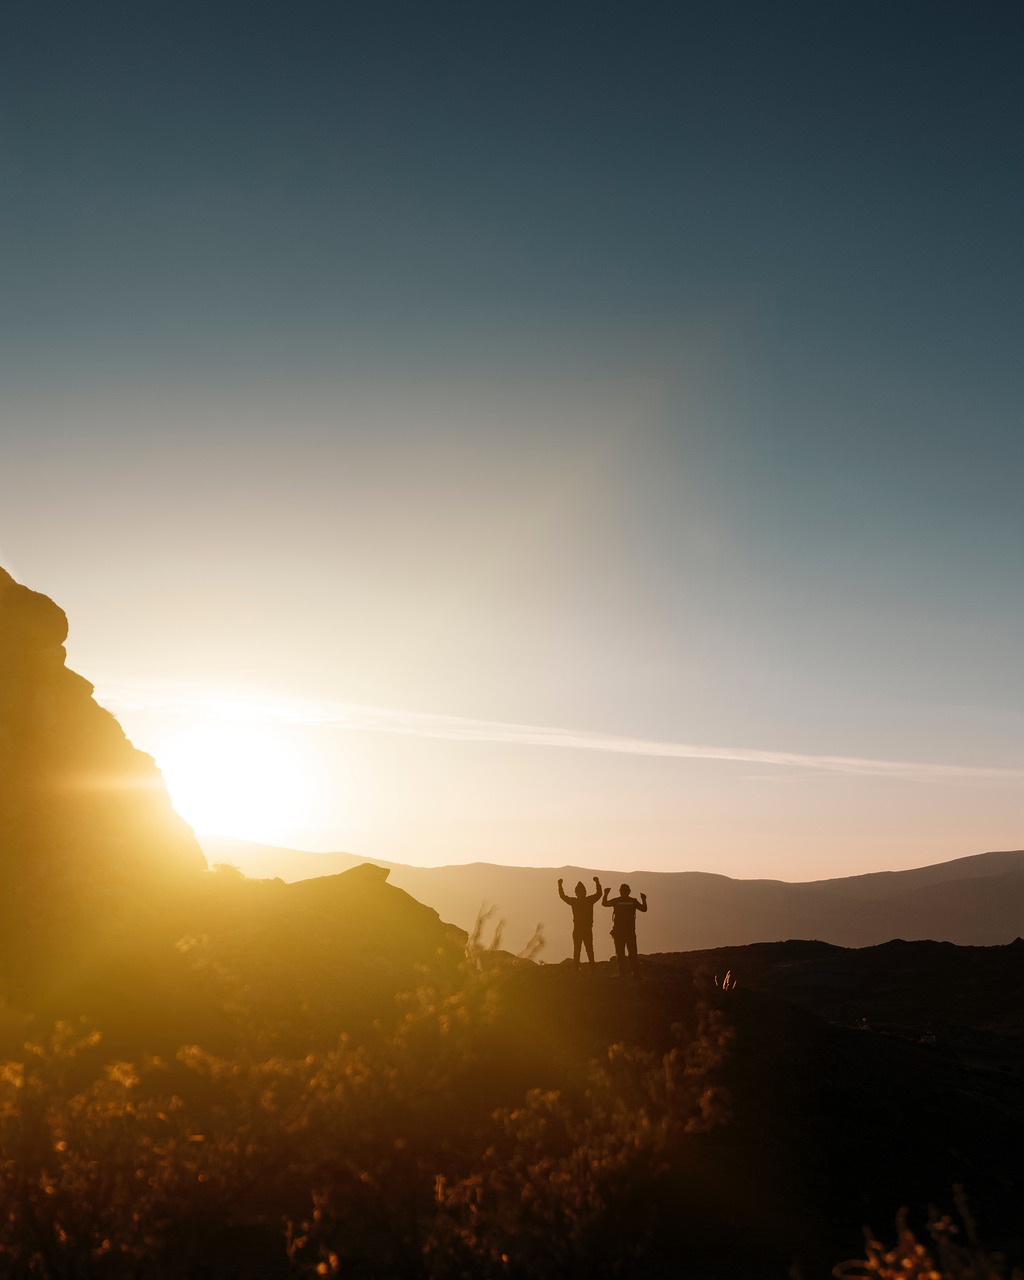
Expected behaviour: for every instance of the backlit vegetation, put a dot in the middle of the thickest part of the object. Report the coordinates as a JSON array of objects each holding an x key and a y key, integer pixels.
[
  {"x": 418, "y": 1150},
  {"x": 954, "y": 1253}
]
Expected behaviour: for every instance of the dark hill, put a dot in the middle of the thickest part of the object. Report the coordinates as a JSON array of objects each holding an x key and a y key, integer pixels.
[
  {"x": 926, "y": 985},
  {"x": 323, "y": 955},
  {"x": 859, "y": 1081},
  {"x": 304, "y": 962}
]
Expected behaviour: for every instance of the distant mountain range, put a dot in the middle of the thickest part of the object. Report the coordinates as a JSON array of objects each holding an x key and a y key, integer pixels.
[{"x": 972, "y": 901}]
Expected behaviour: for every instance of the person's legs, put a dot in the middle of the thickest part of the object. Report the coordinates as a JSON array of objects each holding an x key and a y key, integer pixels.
[
  {"x": 588, "y": 943},
  {"x": 620, "y": 954},
  {"x": 577, "y": 940},
  {"x": 634, "y": 966}
]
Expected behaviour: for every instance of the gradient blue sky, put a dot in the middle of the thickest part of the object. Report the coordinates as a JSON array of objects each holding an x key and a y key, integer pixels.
[{"x": 649, "y": 371}]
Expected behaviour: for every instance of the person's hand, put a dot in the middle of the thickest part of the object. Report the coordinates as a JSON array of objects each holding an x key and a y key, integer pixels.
[
  {"x": 597, "y": 882},
  {"x": 560, "y": 881},
  {"x": 644, "y": 896}
]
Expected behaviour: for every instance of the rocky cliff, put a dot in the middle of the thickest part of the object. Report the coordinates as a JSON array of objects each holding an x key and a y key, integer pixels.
[{"x": 80, "y": 808}]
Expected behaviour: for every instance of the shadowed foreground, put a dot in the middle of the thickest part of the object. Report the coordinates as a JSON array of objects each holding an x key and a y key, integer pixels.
[{"x": 438, "y": 1115}]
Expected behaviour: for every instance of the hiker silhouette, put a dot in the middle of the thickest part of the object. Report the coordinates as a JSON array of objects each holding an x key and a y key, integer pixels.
[
  {"x": 582, "y": 920},
  {"x": 624, "y": 909}
]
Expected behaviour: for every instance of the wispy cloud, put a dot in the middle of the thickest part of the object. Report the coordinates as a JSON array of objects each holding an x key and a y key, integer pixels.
[{"x": 170, "y": 699}]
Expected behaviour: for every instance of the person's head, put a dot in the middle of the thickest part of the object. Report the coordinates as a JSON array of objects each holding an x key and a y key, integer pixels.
[
  {"x": 581, "y": 889},
  {"x": 624, "y": 890}
]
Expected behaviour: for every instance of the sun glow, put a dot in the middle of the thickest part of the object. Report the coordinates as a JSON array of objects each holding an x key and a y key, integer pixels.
[{"x": 237, "y": 779}]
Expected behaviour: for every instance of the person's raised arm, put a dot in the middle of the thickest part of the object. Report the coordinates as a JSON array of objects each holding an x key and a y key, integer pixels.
[
  {"x": 643, "y": 902},
  {"x": 562, "y": 894},
  {"x": 604, "y": 900},
  {"x": 594, "y": 896}
]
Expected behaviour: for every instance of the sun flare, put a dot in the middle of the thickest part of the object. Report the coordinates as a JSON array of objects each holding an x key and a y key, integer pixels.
[{"x": 237, "y": 779}]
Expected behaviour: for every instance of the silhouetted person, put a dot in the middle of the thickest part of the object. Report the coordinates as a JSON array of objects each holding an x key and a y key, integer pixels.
[
  {"x": 624, "y": 909},
  {"x": 582, "y": 920}
]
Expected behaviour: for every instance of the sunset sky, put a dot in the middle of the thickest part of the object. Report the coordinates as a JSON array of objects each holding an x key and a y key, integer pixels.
[{"x": 535, "y": 433}]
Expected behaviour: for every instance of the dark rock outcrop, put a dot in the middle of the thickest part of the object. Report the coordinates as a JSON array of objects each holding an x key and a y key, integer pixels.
[{"x": 81, "y": 810}]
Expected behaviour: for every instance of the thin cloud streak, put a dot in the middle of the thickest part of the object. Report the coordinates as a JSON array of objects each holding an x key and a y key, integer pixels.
[{"x": 177, "y": 700}]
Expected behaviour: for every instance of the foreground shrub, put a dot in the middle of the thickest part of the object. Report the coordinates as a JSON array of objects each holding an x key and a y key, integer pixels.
[
  {"x": 568, "y": 1185},
  {"x": 89, "y": 1177},
  {"x": 386, "y": 1156},
  {"x": 954, "y": 1253}
]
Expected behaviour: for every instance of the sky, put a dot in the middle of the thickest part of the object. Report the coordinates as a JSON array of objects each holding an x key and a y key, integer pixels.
[{"x": 533, "y": 433}]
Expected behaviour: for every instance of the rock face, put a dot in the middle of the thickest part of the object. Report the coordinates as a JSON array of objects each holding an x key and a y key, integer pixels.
[{"x": 81, "y": 810}]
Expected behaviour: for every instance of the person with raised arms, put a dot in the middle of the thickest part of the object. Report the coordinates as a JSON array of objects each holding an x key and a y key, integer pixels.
[
  {"x": 582, "y": 920},
  {"x": 624, "y": 909}
]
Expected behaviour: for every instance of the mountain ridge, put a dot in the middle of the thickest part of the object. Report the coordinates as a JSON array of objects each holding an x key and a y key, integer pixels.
[{"x": 976, "y": 900}]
